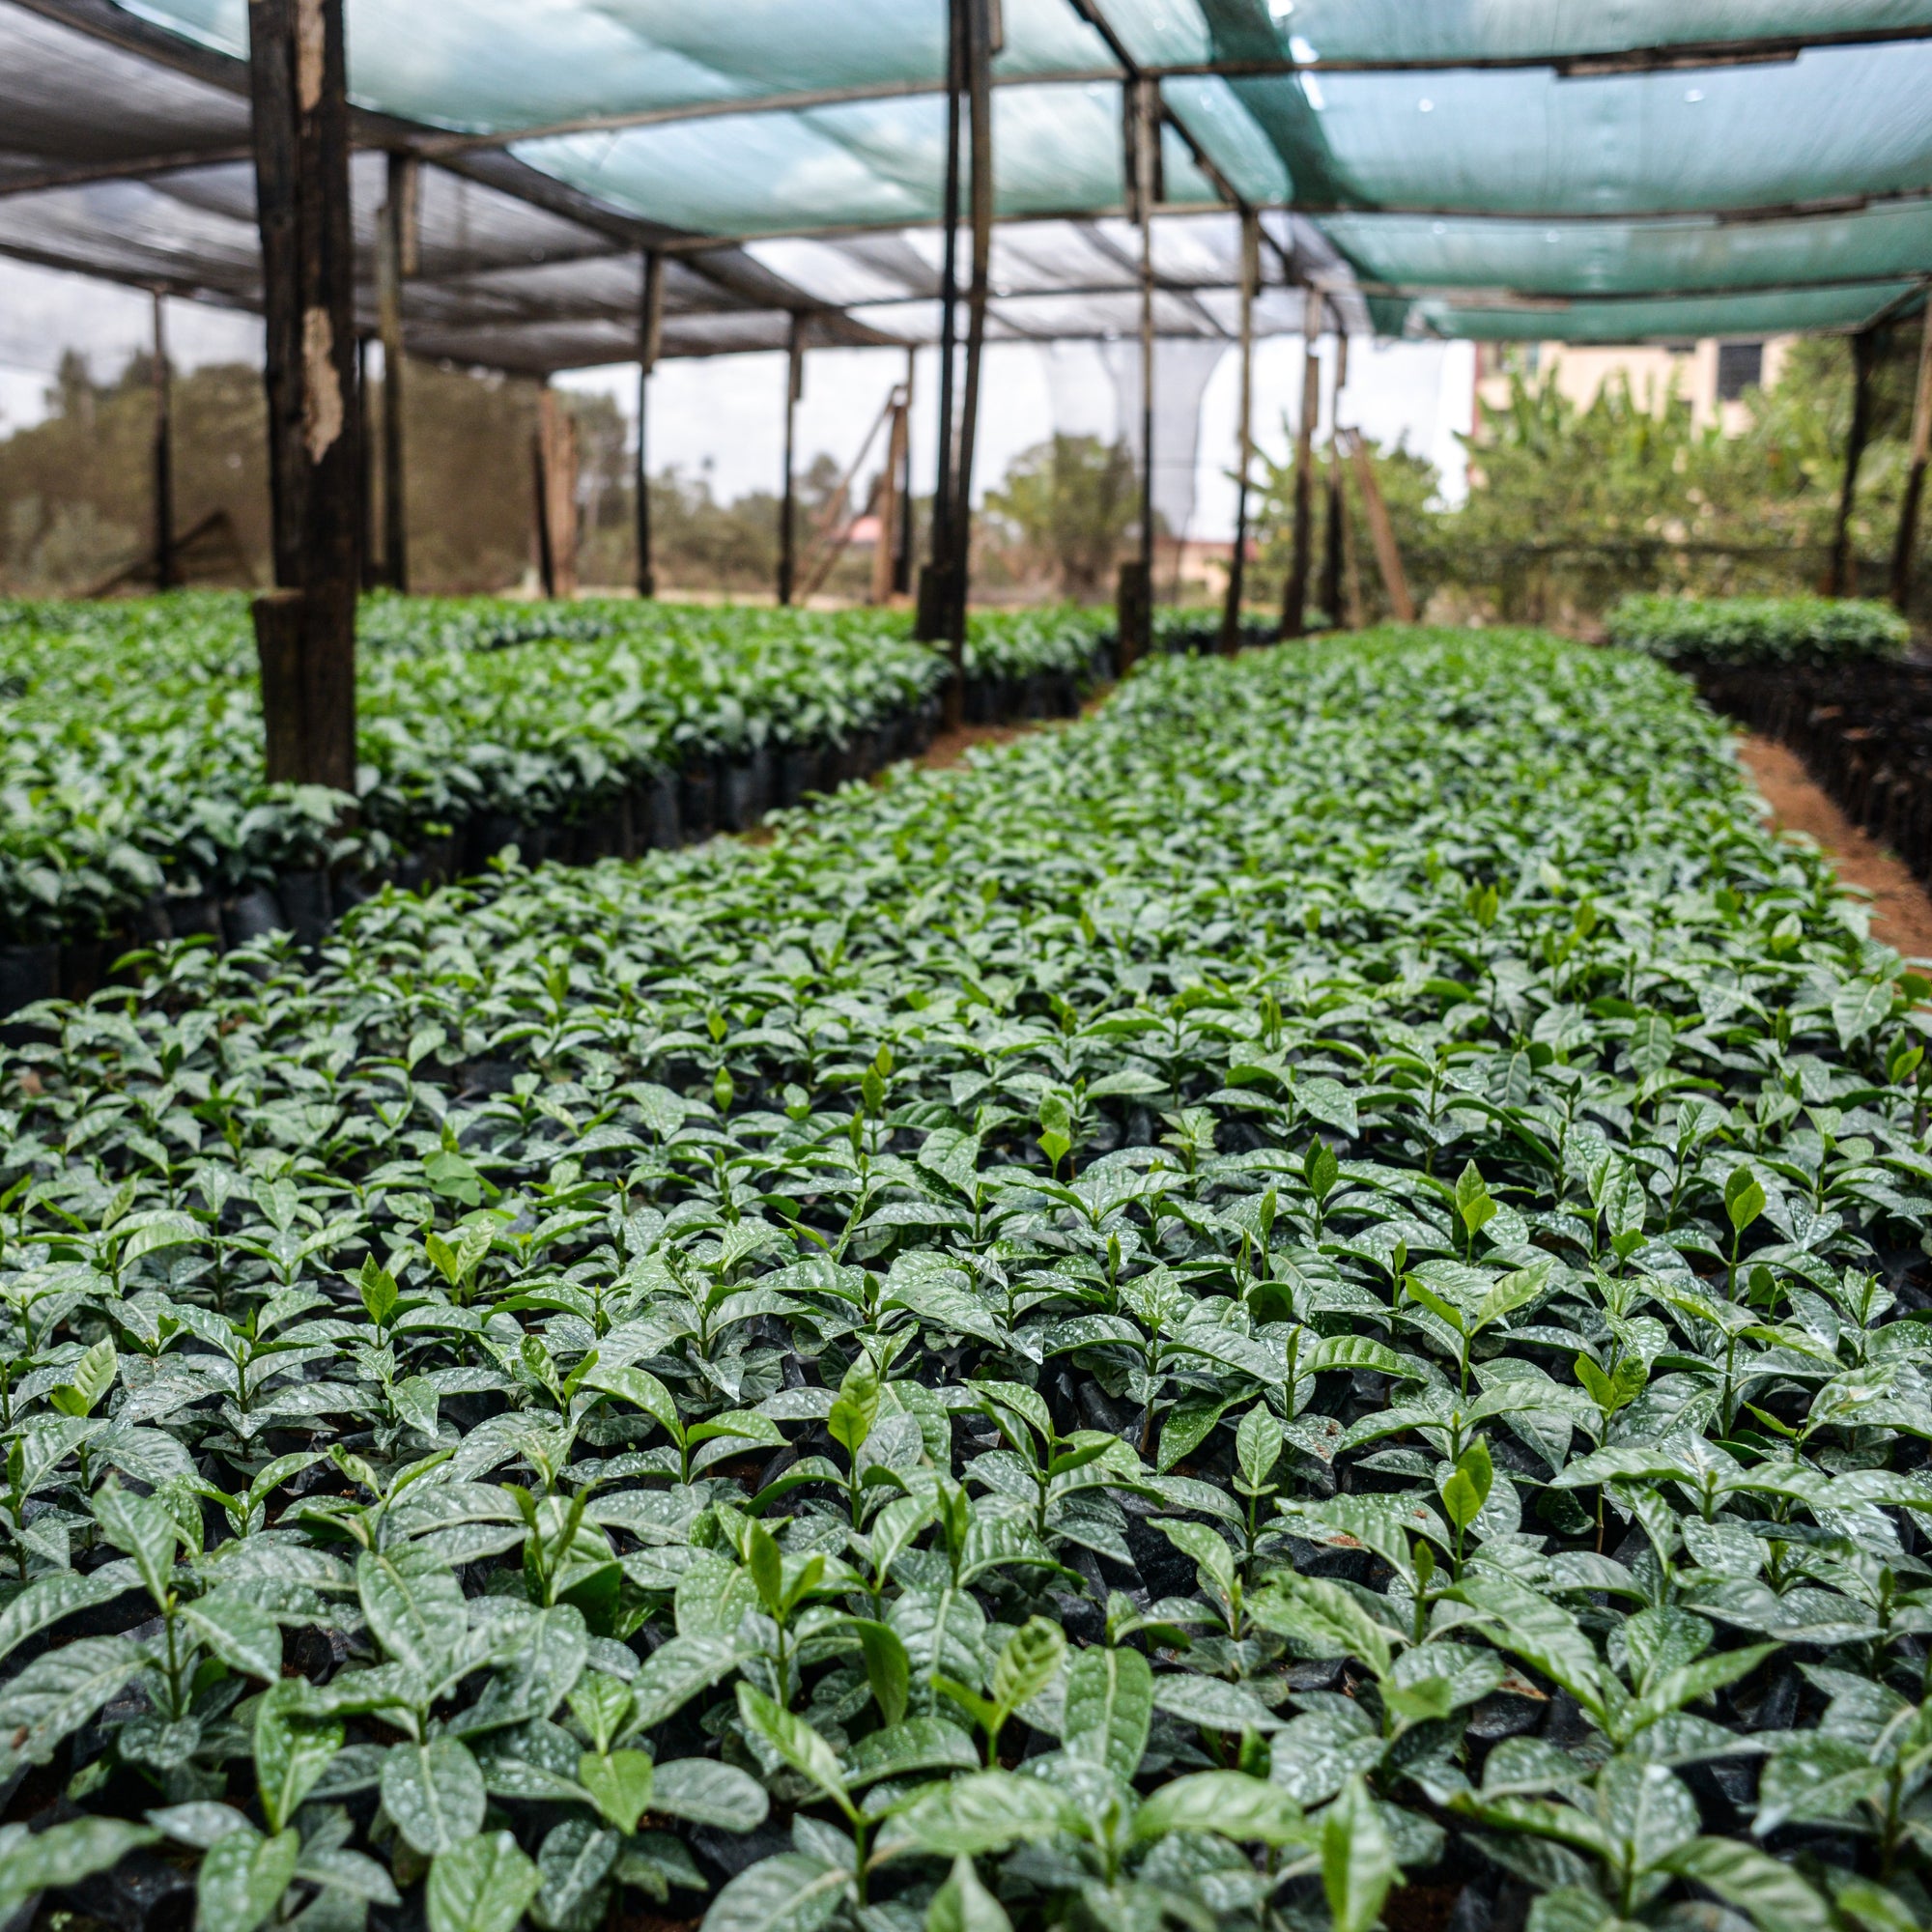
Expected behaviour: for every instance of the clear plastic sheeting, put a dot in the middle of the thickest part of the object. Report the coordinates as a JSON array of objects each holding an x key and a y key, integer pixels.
[{"x": 1478, "y": 167}]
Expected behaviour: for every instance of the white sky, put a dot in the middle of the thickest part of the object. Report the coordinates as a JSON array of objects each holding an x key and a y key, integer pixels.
[{"x": 724, "y": 416}]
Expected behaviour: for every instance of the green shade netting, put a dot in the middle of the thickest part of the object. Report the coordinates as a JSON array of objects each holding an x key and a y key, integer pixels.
[
  {"x": 1515, "y": 183},
  {"x": 1835, "y": 121},
  {"x": 1680, "y": 319},
  {"x": 1055, "y": 149},
  {"x": 1584, "y": 258},
  {"x": 1162, "y": 32},
  {"x": 491, "y": 65}
]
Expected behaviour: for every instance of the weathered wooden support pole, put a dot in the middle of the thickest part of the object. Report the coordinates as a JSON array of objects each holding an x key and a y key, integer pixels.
[
  {"x": 365, "y": 469},
  {"x": 903, "y": 560},
  {"x": 1388, "y": 555},
  {"x": 1244, "y": 432},
  {"x": 1337, "y": 513},
  {"x": 1294, "y": 593},
  {"x": 1915, "y": 477},
  {"x": 980, "y": 93},
  {"x": 540, "y": 493},
  {"x": 650, "y": 335},
  {"x": 297, "y": 83},
  {"x": 167, "y": 575},
  {"x": 395, "y": 261},
  {"x": 886, "y": 502},
  {"x": 1865, "y": 354},
  {"x": 557, "y": 434},
  {"x": 1141, "y": 132},
  {"x": 789, "y": 502},
  {"x": 935, "y": 580}
]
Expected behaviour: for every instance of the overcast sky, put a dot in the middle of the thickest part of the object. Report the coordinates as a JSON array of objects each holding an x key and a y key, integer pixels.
[{"x": 724, "y": 416}]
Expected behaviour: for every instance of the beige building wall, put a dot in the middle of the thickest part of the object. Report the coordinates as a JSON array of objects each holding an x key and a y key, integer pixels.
[{"x": 1651, "y": 368}]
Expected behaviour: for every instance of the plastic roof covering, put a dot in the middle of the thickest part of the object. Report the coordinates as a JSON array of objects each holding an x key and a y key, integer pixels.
[{"x": 1499, "y": 168}]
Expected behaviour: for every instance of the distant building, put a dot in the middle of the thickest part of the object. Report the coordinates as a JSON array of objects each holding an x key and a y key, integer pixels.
[{"x": 1711, "y": 374}]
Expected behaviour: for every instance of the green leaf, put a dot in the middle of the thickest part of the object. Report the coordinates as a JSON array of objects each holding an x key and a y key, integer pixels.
[
  {"x": 706, "y": 1792},
  {"x": 1257, "y": 1444},
  {"x": 1228, "y": 1803},
  {"x": 1858, "y": 1007},
  {"x": 57, "y": 1693},
  {"x": 888, "y": 1669},
  {"x": 413, "y": 1603},
  {"x": 1028, "y": 1663},
  {"x": 144, "y": 1529},
  {"x": 92, "y": 1376},
  {"x": 962, "y": 1904},
  {"x": 982, "y": 1812},
  {"x": 1109, "y": 1708},
  {"x": 245, "y": 1636},
  {"x": 484, "y": 1885},
  {"x": 1357, "y": 1858},
  {"x": 786, "y": 1893},
  {"x": 1323, "y": 1619},
  {"x": 1472, "y": 1199},
  {"x": 619, "y": 1784},
  {"x": 63, "y": 1855},
  {"x": 795, "y": 1741},
  {"x": 435, "y": 1793},
  {"x": 49, "y": 1599},
  {"x": 674, "y": 1673},
  {"x": 1466, "y": 1488},
  {"x": 641, "y": 1391},
  {"x": 293, "y": 1748},
  {"x": 243, "y": 1878},
  {"x": 1744, "y": 1198},
  {"x": 1764, "y": 1888},
  {"x": 856, "y": 1412}
]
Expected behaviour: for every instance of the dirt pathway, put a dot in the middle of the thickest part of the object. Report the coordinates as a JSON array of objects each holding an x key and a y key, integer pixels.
[{"x": 1901, "y": 910}]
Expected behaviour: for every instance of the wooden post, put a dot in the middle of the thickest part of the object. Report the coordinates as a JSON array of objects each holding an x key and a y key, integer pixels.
[
  {"x": 166, "y": 575},
  {"x": 934, "y": 590},
  {"x": 396, "y": 251},
  {"x": 1387, "y": 557},
  {"x": 558, "y": 432},
  {"x": 902, "y": 542},
  {"x": 1244, "y": 432},
  {"x": 540, "y": 493},
  {"x": 886, "y": 503},
  {"x": 1915, "y": 477},
  {"x": 979, "y": 91},
  {"x": 365, "y": 467},
  {"x": 1294, "y": 594},
  {"x": 789, "y": 502},
  {"x": 297, "y": 83},
  {"x": 1865, "y": 354},
  {"x": 1337, "y": 511},
  {"x": 650, "y": 336},
  {"x": 1141, "y": 132}
]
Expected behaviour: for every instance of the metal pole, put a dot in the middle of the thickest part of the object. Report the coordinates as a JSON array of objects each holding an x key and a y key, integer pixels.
[
  {"x": 788, "y": 505},
  {"x": 1915, "y": 477},
  {"x": 650, "y": 335},
  {"x": 540, "y": 466},
  {"x": 365, "y": 466},
  {"x": 1295, "y": 597},
  {"x": 1864, "y": 352},
  {"x": 934, "y": 599},
  {"x": 299, "y": 91},
  {"x": 979, "y": 69},
  {"x": 1231, "y": 615},
  {"x": 166, "y": 575},
  {"x": 392, "y": 232}
]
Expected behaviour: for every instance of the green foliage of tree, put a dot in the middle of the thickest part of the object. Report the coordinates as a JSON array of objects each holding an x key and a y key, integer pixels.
[{"x": 1064, "y": 511}]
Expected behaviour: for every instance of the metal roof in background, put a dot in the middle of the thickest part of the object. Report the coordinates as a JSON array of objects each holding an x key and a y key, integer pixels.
[{"x": 1494, "y": 168}]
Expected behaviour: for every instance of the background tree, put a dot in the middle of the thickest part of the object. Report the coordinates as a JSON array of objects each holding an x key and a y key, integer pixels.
[{"x": 1063, "y": 512}]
